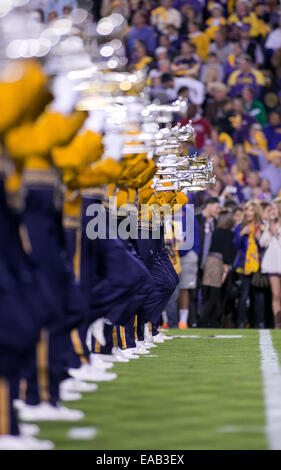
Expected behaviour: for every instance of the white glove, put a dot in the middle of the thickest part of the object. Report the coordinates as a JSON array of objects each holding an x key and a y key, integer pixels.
[{"x": 96, "y": 329}]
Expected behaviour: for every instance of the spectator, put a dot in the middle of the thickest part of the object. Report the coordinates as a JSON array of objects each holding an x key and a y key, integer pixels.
[
  {"x": 237, "y": 215},
  {"x": 250, "y": 46},
  {"x": 188, "y": 276},
  {"x": 206, "y": 225},
  {"x": 272, "y": 130},
  {"x": 232, "y": 61},
  {"x": 246, "y": 75},
  {"x": 220, "y": 46},
  {"x": 271, "y": 263},
  {"x": 165, "y": 15},
  {"x": 212, "y": 71},
  {"x": 256, "y": 147},
  {"x": 141, "y": 31},
  {"x": 215, "y": 106},
  {"x": 188, "y": 63},
  {"x": 273, "y": 41},
  {"x": 111, "y": 6},
  {"x": 217, "y": 266},
  {"x": 231, "y": 184},
  {"x": 253, "y": 182},
  {"x": 243, "y": 14},
  {"x": 142, "y": 60},
  {"x": 265, "y": 190},
  {"x": 240, "y": 121},
  {"x": 54, "y": 8},
  {"x": 254, "y": 107},
  {"x": 188, "y": 13},
  {"x": 201, "y": 125},
  {"x": 247, "y": 262},
  {"x": 196, "y": 5},
  {"x": 199, "y": 38},
  {"x": 215, "y": 21},
  {"x": 172, "y": 84},
  {"x": 273, "y": 171}
]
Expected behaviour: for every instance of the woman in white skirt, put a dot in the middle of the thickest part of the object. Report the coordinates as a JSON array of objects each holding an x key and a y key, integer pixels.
[{"x": 271, "y": 263}]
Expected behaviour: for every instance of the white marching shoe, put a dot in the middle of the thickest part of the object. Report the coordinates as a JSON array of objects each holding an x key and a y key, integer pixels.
[
  {"x": 28, "y": 429},
  {"x": 140, "y": 348},
  {"x": 69, "y": 395},
  {"x": 37, "y": 444},
  {"x": 158, "y": 339},
  {"x": 8, "y": 442},
  {"x": 99, "y": 363},
  {"x": 165, "y": 337},
  {"x": 114, "y": 357},
  {"x": 47, "y": 412},
  {"x": 91, "y": 374},
  {"x": 147, "y": 345},
  {"x": 75, "y": 385},
  {"x": 148, "y": 338},
  {"x": 129, "y": 353},
  {"x": 121, "y": 353},
  {"x": 18, "y": 404}
]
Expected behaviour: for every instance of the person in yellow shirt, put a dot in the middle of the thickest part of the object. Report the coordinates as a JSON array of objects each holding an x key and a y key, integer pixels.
[
  {"x": 199, "y": 38},
  {"x": 142, "y": 59},
  {"x": 215, "y": 21},
  {"x": 242, "y": 13}
]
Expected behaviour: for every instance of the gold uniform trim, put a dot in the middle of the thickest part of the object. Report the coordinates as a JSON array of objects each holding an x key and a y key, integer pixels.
[
  {"x": 115, "y": 337},
  {"x": 77, "y": 256},
  {"x": 136, "y": 328},
  {"x": 123, "y": 337},
  {"x": 77, "y": 344},
  {"x": 4, "y": 406},
  {"x": 42, "y": 355}
]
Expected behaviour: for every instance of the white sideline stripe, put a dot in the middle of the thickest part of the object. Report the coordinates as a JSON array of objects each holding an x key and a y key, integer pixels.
[
  {"x": 186, "y": 336},
  {"x": 226, "y": 336},
  {"x": 271, "y": 373},
  {"x": 241, "y": 429},
  {"x": 82, "y": 433}
]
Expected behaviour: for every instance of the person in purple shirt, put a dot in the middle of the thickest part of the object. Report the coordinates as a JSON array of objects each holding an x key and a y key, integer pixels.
[
  {"x": 246, "y": 75},
  {"x": 193, "y": 3},
  {"x": 141, "y": 31},
  {"x": 240, "y": 121},
  {"x": 272, "y": 131}
]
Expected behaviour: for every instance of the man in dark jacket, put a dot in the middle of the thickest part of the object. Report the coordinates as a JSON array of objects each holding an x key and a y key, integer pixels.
[{"x": 206, "y": 225}]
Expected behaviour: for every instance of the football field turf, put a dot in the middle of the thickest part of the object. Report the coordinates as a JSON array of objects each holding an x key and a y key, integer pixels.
[{"x": 200, "y": 392}]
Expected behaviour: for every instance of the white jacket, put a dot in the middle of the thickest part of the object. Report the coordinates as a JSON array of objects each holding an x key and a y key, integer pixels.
[{"x": 271, "y": 263}]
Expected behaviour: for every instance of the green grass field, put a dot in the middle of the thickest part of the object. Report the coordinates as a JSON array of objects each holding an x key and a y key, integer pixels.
[{"x": 198, "y": 393}]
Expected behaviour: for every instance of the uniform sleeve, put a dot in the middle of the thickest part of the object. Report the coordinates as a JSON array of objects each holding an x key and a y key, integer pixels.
[
  {"x": 17, "y": 97},
  {"x": 49, "y": 130},
  {"x": 85, "y": 148},
  {"x": 98, "y": 174}
]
